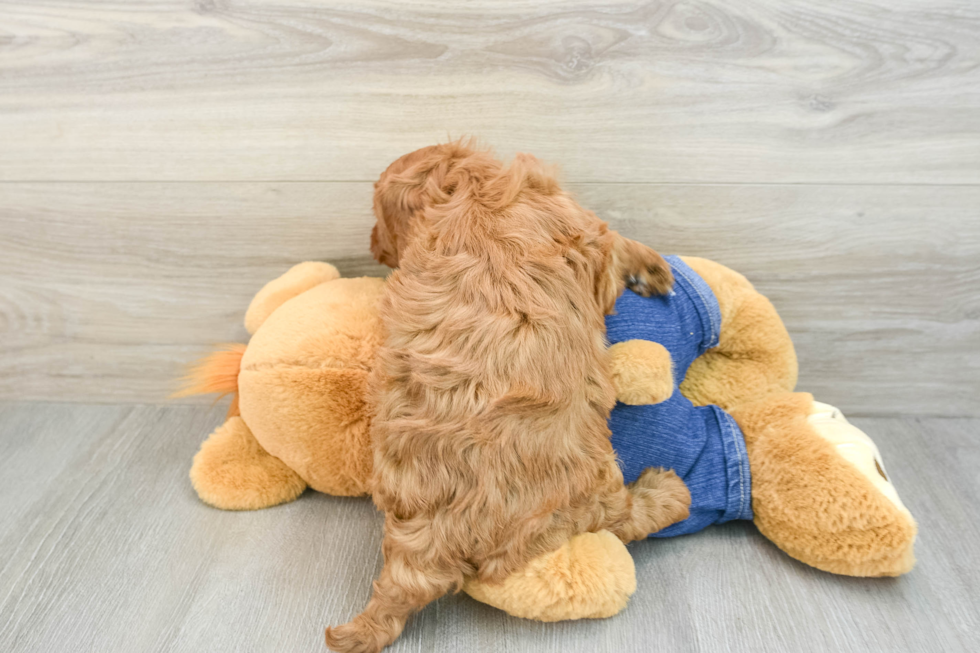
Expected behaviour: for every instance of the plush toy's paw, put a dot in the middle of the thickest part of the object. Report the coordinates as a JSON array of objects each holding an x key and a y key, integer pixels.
[
  {"x": 641, "y": 372},
  {"x": 233, "y": 472},
  {"x": 298, "y": 279},
  {"x": 592, "y": 576}
]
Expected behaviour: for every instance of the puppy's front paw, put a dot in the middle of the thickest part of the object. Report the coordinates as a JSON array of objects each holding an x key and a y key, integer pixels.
[{"x": 655, "y": 278}]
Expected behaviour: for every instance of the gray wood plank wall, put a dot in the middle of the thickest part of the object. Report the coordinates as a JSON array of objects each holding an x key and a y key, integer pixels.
[{"x": 160, "y": 161}]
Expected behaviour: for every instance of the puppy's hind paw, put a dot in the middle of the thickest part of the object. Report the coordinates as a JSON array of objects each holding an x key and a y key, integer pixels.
[{"x": 667, "y": 496}]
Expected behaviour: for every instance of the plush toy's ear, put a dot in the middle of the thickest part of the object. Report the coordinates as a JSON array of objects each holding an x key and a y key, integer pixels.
[
  {"x": 298, "y": 279},
  {"x": 641, "y": 372}
]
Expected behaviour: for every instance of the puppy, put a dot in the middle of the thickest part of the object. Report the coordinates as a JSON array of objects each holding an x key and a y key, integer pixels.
[{"x": 492, "y": 390}]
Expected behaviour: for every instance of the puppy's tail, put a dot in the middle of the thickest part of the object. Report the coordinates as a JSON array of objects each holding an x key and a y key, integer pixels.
[
  {"x": 216, "y": 373},
  {"x": 398, "y": 593}
]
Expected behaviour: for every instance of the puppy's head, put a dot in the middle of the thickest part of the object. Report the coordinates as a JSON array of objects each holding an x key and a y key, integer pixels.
[{"x": 414, "y": 181}]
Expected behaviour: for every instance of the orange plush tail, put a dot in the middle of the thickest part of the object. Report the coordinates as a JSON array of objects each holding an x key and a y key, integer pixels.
[{"x": 215, "y": 373}]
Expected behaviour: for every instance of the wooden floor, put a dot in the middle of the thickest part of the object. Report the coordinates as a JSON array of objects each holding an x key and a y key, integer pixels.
[{"x": 105, "y": 548}]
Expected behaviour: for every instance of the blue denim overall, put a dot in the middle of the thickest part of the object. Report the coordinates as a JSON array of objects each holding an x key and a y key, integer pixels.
[{"x": 703, "y": 445}]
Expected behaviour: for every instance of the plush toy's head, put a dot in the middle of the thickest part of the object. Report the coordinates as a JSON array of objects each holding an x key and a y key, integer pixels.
[{"x": 303, "y": 383}]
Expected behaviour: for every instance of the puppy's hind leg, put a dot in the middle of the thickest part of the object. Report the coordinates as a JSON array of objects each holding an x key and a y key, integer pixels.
[
  {"x": 657, "y": 499},
  {"x": 640, "y": 268},
  {"x": 400, "y": 590}
]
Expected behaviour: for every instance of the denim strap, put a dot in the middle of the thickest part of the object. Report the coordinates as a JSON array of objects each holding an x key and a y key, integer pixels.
[{"x": 708, "y": 309}]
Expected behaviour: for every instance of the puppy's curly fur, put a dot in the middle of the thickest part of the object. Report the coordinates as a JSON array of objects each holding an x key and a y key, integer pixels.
[{"x": 492, "y": 389}]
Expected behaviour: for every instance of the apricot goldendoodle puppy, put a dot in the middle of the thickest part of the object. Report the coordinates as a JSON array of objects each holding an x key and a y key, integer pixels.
[{"x": 492, "y": 389}]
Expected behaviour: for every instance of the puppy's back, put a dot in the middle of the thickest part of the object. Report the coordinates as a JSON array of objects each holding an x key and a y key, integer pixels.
[{"x": 493, "y": 390}]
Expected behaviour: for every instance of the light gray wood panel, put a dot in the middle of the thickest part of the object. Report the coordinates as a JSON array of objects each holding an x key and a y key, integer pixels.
[
  {"x": 106, "y": 548},
  {"x": 717, "y": 91},
  {"x": 106, "y": 290}
]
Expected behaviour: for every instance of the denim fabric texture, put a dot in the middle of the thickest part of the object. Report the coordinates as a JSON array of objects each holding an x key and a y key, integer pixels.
[{"x": 702, "y": 444}]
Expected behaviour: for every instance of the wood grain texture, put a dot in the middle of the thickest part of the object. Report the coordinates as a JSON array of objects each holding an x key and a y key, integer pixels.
[
  {"x": 106, "y": 290},
  {"x": 104, "y": 548},
  {"x": 120, "y": 260},
  {"x": 673, "y": 90}
]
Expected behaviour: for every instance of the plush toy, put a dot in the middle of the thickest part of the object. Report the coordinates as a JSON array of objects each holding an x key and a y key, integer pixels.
[{"x": 705, "y": 380}]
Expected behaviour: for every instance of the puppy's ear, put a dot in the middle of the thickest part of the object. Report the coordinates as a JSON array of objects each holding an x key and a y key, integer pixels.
[
  {"x": 411, "y": 183},
  {"x": 609, "y": 281},
  {"x": 394, "y": 204},
  {"x": 384, "y": 246},
  {"x": 417, "y": 179}
]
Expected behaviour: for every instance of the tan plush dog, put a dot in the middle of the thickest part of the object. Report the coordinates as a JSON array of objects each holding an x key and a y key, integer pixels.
[{"x": 300, "y": 419}]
